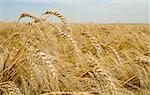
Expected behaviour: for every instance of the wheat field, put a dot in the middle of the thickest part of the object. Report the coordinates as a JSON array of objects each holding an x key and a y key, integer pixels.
[{"x": 43, "y": 58}]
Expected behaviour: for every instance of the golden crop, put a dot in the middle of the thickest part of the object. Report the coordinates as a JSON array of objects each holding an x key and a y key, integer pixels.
[{"x": 43, "y": 58}]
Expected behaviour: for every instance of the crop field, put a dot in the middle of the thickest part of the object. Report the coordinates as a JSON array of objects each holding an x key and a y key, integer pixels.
[{"x": 44, "y": 58}]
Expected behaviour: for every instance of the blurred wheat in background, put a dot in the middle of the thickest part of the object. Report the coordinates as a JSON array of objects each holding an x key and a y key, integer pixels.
[{"x": 44, "y": 58}]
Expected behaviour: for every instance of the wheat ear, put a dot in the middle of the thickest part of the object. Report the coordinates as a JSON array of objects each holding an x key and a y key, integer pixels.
[
  {"x": 115, "y": 53},
  {"x": 49, "y": 62},
  {"x": 94, "y": 42},
  {"x": 34, "y": 18},
  {"x": 68, "y": 37},
  {"x": 106, "y": 82},
  {"x": 25, "y": 14},
  {"x": 60, "y": 16}
]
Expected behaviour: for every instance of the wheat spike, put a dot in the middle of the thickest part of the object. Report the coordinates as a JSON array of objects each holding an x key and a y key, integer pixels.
[
  {"x": 60, "y": 16},
  {"x": 107, "y": 85},
  {"x": 94, "y": 42},
  {"x": 25, "y": 14},
  {"x": 116, "y": 54},
  {"x": 49, "y": 62},
  {"x": 69, "y": 37},
  {"x": 34, "y": 18}
]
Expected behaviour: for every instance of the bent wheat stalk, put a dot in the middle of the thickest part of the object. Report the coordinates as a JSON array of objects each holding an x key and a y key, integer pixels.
[
  {"x": 60, "y": 16},
  {"x": 94, "y": 42},
  {"x": 33, "y": 18},
  {"x": 25, "y": 14},
  {"x": 116, "y": 54},
  {"x": 68, "y": 37}
]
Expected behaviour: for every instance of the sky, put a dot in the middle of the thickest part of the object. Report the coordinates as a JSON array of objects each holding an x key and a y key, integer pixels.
[{"x": 81, "y": 11}]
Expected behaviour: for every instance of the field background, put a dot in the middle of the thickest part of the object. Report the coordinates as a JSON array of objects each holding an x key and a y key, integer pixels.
[{"x": 114, "y": 60}]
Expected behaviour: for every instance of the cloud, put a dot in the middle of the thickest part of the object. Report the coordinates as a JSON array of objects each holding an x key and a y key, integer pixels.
[
  {"x": 126, "y": 1},
  {"x": 52, "y": 1},
  {"x": 78, "y": 1},
  {"x": 40, "y": 1},
  {"x": 73, "y": 1}
]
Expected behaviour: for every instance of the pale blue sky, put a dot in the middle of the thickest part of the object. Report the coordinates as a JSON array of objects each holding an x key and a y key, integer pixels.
[{"x": 81, "y": 11}]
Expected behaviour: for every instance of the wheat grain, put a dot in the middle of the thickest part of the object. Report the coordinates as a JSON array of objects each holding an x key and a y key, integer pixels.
[
  {"x": 10, "y": 87},
  {"x": 143, "y": 59}
]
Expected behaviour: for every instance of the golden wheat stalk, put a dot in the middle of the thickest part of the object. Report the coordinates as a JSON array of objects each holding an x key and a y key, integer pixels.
[
  {"x": 26, "y": 14},
  {"x": 68, "y": 37},
  {"x": 60, "y": 16},
  {"x": 49, "y": 62},
  {"x": 94, "y": 42},
  {"x": 34, "y": 19},
  {"x": 116, "y": 54}
]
